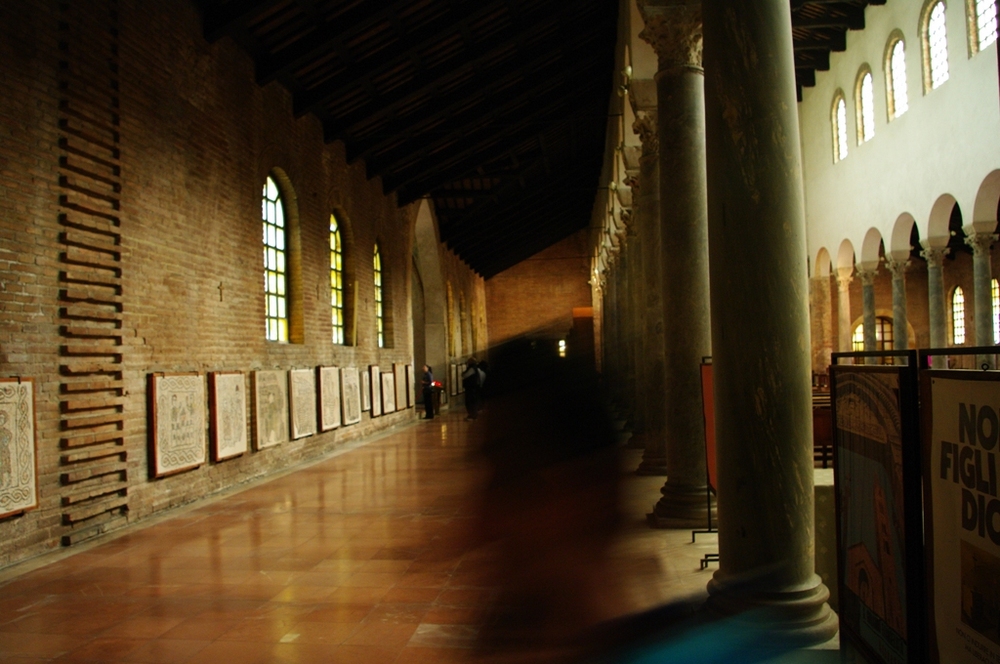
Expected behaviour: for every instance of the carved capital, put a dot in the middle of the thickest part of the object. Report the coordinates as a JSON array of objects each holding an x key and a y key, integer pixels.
[
  {"x": 673, "y": 29},
  {"x": 934, "y": 255},
  {"x": 645, "y": 126},
  {"x": 844, "y": 279},
  {"x": 897, "y": 268},
  {"x": 867, "y": 277},
  {"x": 981, "y": 243}
]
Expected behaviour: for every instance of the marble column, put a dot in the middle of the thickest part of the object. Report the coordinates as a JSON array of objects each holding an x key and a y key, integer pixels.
[
  {"x": 646, "y": 199},
  {"x": 900, "y": 330},
  {"x": 935, "y": 294},
  {"x": 867, "y": 276},
  {"x": 673, "y": 28},
  {"x": 982, "y": 287},
  {"x": 760, "y": 323},
  {"x": 844, "y": 331}
]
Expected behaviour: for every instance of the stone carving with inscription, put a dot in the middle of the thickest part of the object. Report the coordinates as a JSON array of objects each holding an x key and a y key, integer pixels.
[
  {"x": 366, "y": 390},
  {"x": 350, "y": 395},
  {"x": 18, "y": 469},
  {"x": 228, "y": 414},
  {"x": 329, "y": 398},
  {"x": 399, "y": 371},
  {"x": 178, "y": 422},
  {"x": 270, "y": 407},
  {"x": 302, "y": 401},
  {"x": 375, "y": 381},
  {"x": 388, "y": 393}
]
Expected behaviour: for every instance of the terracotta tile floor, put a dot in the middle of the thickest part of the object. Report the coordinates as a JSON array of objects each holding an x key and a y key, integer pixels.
[{"x": 362, "y": 557}]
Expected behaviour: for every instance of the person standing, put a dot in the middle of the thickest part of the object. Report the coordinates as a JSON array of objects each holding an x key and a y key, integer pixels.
[
  {"x": 427, "y": 383},
  {"x": 472, "y": 381}
]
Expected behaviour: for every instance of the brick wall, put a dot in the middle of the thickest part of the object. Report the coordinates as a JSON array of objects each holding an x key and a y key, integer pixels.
[
  {"x": 197, "y": 138},
  {"x": 537, "y": 296}
]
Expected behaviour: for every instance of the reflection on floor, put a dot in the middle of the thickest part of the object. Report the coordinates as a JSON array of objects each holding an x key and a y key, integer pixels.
[{"x": 364, "y": 557}]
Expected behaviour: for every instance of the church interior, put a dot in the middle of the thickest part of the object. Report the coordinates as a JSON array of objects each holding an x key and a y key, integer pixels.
[{"x": 243, "y": 244}]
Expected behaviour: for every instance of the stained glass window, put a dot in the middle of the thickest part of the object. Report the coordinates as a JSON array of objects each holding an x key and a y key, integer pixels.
[
  {"x": 275, "y": 294},
  {"x": 336, "y": 281}
]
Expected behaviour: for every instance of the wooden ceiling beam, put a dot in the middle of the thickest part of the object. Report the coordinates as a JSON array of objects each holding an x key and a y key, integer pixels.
[
  {"x": 224, "y": 20},
  {"x": 851, "y": 18}
]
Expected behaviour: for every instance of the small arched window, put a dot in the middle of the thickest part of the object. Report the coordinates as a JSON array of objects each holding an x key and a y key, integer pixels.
[
  {"x": 379, "y": 304},
  {"x": 958, "y": 316},
  {"x": 883, "y": 335},
  {"x": 865, "y": 101},
  {"x": 934, "y": 43},
  {"x": 839, "y": 117},
  {"x": 336, "y": 281},
  {"x": 275, "y": 269},
  {"x": 895, "y": 79},
  {"x": 982, "y": 24},
  {"x": 995, "y": 297}
]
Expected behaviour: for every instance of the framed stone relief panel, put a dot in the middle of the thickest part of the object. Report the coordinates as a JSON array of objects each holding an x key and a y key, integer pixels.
[
  {"x": 227, "y": 400},
  {"x": 302, "y": 402},
  {"x": 177, "y": 428},
  {"x": 399, "y": 372},
  {"x": 453, "y": 379},
  {"x": 329, "y": 397},
  {"x": 388, "y": 393},
  {"x": 375, "y": 381},
  {"x": 366, "y": 390},
  {"x": 410, "y": 387},
  {"x": 350, "y": 395},
  {"x": 18, "y": 461},
  {"x": 270, "y": 404}
]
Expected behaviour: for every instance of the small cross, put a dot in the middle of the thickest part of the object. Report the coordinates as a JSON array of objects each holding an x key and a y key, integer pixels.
[{"x": 220, "y": 291}]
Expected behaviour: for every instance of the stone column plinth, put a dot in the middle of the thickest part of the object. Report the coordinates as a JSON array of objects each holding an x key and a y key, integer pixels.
[
  {"x": 935, "y": 294},
  {"x": 900, "y": 330},
  {"x": 844, "y": 278},
  {"x": 760, "y": 323},
  {"x": 673, "y": 27}
]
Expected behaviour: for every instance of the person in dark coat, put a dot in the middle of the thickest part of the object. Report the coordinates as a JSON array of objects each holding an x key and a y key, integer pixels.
[
  {"x": 427, "y": 383},
  {"x": 472, "y": 381}
]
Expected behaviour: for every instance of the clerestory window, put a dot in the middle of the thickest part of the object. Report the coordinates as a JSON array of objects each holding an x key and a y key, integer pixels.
[
  {"x": 934, "y": 41},
  {"x": 895, "y": 77},
  {"x": 275, "y": 268},
  {"x": 839, "y": 127},
  {"x": 336, "y": 281}
]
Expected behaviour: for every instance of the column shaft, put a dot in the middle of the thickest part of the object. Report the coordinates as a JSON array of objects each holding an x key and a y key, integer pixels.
[
  {"x": 844, "y": 331},
  {"x": 982, "y": 286},
  {"x": 900, "y": 339},
  {"x": 935, "y": 294},
  {"x": 868, "y": 310},
  {"x": 760, "y": 322}
]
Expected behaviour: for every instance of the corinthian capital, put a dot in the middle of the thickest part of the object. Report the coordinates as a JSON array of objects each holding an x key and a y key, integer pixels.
[
  {"x": 645, "y": 127},
  {"x": 673, "y": 29}
]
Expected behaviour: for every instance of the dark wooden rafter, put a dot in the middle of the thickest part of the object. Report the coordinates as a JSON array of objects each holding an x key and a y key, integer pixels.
[{"x": 223, "y": 20}]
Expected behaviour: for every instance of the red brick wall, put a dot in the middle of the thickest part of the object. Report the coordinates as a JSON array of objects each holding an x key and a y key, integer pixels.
[
  {"x": 197, "y": 139},
  {"x": 537, "y": 296}
]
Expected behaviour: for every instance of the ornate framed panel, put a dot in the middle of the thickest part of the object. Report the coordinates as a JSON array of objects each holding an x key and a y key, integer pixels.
[
  {"x": 302, "y": 402},
  {"x": 227, "y": 398},
  {"x": 410, "y": 387},
  {"x": 375, "y": 380},
  {"x": 399, "y": 371},
  {"x": 366, "y": 390},
  {"x": 177, "y": 428},
  {"x": 18, "y": 458},
  {"x": 329, "y": 397},
  {"x": 270, "y": 403}
]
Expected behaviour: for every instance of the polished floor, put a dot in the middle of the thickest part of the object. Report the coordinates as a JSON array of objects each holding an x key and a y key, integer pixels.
[{"x": 369, "y": 556}]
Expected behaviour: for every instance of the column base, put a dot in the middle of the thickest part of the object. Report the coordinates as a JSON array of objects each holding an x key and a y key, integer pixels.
[
  {"x": 652, "y": 463},
  {"x": 799, "y": 614},
  {"x": 632, "y": 440},
  {"x": 682, "y": 507}
]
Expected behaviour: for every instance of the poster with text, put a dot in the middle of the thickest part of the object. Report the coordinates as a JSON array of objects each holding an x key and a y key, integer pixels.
[{"x": 963, "y": 515}]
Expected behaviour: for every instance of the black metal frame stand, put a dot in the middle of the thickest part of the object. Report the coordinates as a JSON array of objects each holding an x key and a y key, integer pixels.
[{"x": 708, "y": 557}]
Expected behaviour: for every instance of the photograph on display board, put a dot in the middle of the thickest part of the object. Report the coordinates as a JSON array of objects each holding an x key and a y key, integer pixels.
[
  {"x": 329, "y": 398},
  {"x": 270, "y": 399},
  {"x": 177, "y": 422},
  {"x": 962, "y": 528},
  {"x": 350, "y": 395},
  {"x": 366, "y": 390},
  {"x": 302, "y": 402},
  {"x": 869, "y": 429},
  {"x": 388, "y": 393},
  {"x": 18, "y": 461},
  {"x": 399, "y": 375},
  {"x": 228, "y": 407},
  {"x": 375, "y": 385}
]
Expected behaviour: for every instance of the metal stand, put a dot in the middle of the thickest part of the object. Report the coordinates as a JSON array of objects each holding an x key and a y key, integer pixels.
[{"x": 708, "y": 557}]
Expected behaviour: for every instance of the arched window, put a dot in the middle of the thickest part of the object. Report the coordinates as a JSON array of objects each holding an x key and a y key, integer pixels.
[
  {"x": 934, "y": 43},
  {"x": 839, "y": 127},
  {"x": 895, "y": 79},
  {"x": 883, "y": 335},
  {"x": 379, "y": 310},
  {"x": 336, "y": 281},
  {"x": 982, "y": 23},
  {"x": 275, "y": 269},
  {"x": 958, "y": 316},
  {"x": 995, "y": 297},
  {"x": 865, "y": 101}
]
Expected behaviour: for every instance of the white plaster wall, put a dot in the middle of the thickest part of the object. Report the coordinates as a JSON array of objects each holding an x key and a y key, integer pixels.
[{"x": 946, "y": 143}]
